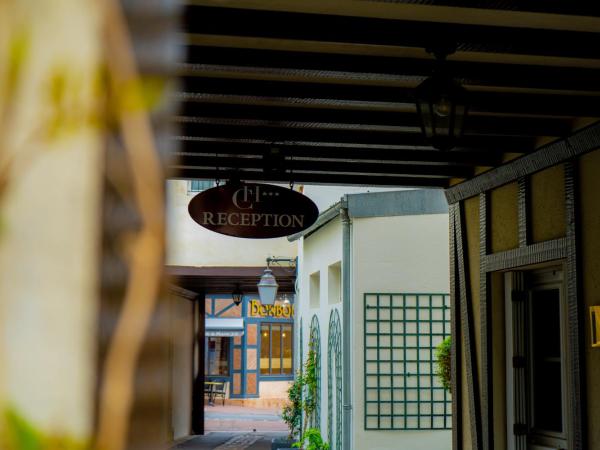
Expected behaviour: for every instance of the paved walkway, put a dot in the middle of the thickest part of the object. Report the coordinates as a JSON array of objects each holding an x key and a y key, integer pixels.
[
  {"x": 238, "y": 418},
  {"x": 237, "y": 428},
  {"x": 229, "y": 441}
]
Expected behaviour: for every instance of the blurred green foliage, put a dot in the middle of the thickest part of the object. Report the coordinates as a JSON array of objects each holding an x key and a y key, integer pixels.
[{"x": 20, "y": 434}]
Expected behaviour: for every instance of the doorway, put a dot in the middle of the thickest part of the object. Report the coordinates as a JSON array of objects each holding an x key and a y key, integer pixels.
[{"x": 536, "y": 373}]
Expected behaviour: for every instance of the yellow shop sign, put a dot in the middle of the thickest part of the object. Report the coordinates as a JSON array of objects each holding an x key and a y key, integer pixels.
[{"x": 257, "y": 309}]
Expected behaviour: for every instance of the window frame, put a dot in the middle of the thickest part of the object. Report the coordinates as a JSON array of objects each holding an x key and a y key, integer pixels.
[
  {"x": 280, "y": 375},
  {"x": 530, "y": 280},
  {"x": 547, "y": 437},
  {"x": 229, "y": 345}
]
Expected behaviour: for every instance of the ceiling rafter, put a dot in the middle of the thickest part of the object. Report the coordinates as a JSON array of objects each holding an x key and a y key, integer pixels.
[
  {"x": 324, "y": 92},
  {"x": 382, "y": 69},
  {"x": 474, "y": 125},
  {"x": 422, "y": 34},
  {"x": 516, "y": 144},
  {"x": 312, "y": 178},
  {"x": 308, "y": 166},
  {"x": 345, "y": 95},
  {"x": 320, "y": 150}
]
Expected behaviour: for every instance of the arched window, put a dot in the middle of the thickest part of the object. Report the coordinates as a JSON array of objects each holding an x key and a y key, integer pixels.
[
  {"x": 315, "y": 345},
  {"x": 334, "y": 381}
]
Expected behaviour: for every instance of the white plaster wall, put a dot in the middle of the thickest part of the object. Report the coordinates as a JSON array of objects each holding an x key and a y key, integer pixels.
[
  {"x": 395, "y": 254},
  {"x": 189, "y": 244},
  {"x": 317, "y": 253},
  {"x": 181, "y": 368}
]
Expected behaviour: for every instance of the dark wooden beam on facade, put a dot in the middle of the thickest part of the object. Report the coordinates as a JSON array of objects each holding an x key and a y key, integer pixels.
[
  {"x": 486, "y": 328},
  {"x": 537, "y": 253},
  {"x": 576, "y": 378},
  {"x": 523, "y": 206},
  {"x": 455, "y": 318},
  {"x": 468, "y": 328},
  {"x": 580, "y": 142}
]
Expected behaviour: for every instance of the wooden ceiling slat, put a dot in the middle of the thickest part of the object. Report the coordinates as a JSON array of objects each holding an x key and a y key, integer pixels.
[
  {"x": 311, "y": 178},
  {"x": 470, "y": 73},
  {"x": 274, "y": 112},
  {"x": 377, "y": 97},
  {"x": 476, "y": 125},
  {"x": 490, "y": 143},
  {"x": 294, "y": 165},
  {"x": 554, "y": 7},
  {"x": 458, "y": 156},
  {"x": 333, "y": 28}
]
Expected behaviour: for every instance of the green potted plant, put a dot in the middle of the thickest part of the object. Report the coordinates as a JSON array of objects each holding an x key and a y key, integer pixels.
[
  {"x": 312, "y": 440},
  {"x": 291, "y": 414},
  {"x": 309, "y": 381},
  {"x": 300, "y": 410},
  {"x": 443, "y": 356}
]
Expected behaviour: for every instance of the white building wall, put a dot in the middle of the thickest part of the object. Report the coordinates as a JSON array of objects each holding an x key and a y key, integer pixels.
[
  {"x": 319, "y": 251},
  {"x": 394, "y": 254},
  {"x": 189, "y": 244}
]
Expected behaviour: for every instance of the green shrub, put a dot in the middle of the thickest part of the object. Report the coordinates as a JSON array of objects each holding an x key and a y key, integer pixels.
[
  {"x": 292, "y": 411},
  {"x": 443, "y": 353},
  {"x": 311, "y": 440}
]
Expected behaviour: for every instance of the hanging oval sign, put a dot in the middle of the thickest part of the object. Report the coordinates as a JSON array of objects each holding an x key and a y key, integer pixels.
[{"x": 252, "y": 210}]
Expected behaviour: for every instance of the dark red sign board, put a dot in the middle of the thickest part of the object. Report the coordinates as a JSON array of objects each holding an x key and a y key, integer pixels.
[{"x": 251, "y": 210}]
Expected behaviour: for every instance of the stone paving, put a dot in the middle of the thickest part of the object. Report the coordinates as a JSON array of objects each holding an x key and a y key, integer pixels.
[
  {"x": 229, "y": 441},
  {"x": 238, "y": 418},
  {"x": 237, "y": 428}
]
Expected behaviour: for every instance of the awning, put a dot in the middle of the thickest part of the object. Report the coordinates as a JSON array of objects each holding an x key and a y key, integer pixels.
[{"x": 224, "y": 327}]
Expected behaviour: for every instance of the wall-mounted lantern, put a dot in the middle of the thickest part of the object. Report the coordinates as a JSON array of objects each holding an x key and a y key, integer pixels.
[
  {"x": 237, "y": 295},
  {"x": 267, "y": 287}
]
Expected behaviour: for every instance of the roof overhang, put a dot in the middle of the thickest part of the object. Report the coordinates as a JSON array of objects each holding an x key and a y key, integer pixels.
[{"x": 322, "y": 92}]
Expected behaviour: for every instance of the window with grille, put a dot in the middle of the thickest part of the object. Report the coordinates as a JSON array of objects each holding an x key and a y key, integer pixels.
[
  {"x": 200, "y": 185},
  {"x": 276, "y": 349},
  {"x": 401, "y": 333}
]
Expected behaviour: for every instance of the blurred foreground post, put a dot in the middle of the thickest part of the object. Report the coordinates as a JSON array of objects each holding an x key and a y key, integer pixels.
[
  {"x": 51, "y": 152},
  {"x": 84, "y": 350}
]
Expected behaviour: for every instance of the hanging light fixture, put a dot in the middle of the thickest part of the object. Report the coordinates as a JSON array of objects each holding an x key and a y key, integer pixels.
[
  {"x": 441, "y": 105},
  {"x": 237, "y": 295},
  {"x": 267, "y": 287}
]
